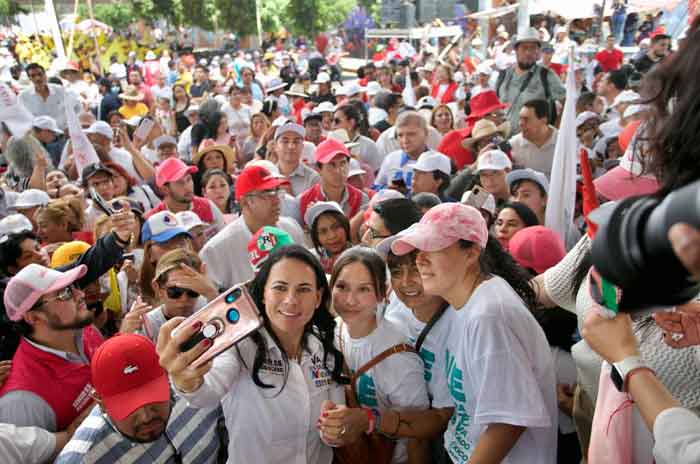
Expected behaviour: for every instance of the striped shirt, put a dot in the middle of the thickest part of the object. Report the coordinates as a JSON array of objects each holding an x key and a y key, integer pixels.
[{"x": 191, "y": 437}]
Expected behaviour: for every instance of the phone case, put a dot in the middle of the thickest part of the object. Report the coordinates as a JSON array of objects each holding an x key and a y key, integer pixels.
[
  {"x": 144, "y": 129},
  {"x": 100, "y": 202},
  {"x": 225, "y": 321}
]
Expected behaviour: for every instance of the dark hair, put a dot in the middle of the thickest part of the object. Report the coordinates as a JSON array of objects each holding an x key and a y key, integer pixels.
[
  {"x": 539, "y": 106},
  {"x": 351, "y": 112},
  {"x": 659, "y": 37},
  {"x": 584, "y": 100},
  {"x": 11, "y": 250},
  {"x": 269, "y": 107},
  {"x": 208, "y": 174},
  {"x": 202, "y": 67},
  {"x": 397, "y": 213},
  {"x": 321, "y": 325},
  {"x": 31, "y": 66},
  {"x": 494, "y": 260},
  {"x": 386, "y": 100},
  {"x": 672, "y": 137},
  {"x": 370, "y": 259},
  {"x": 523, "y": 211},
  {"x": 516, "y": 184},
  {"x": 618, "y": 79},
  {"x": 426, "y": 199},
  {"x": 207, "y": 126},
  {"x": 340, "y": 217}
]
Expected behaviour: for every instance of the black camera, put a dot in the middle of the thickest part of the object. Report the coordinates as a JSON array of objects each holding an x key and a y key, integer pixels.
[
  {"x": 632, "y": 251},
  {"x": 501, "y": 144}
]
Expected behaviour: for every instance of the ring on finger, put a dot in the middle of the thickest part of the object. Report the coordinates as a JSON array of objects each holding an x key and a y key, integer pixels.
[{"x": 342, "y": 431}]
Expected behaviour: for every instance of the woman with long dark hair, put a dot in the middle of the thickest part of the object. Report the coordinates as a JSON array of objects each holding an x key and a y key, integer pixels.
[
  {"x": 182, "y": 102},
  {"x": 499, "y": 366},
  {"x": 274, "y": 384},
  {"x": 350, "y": 119}
]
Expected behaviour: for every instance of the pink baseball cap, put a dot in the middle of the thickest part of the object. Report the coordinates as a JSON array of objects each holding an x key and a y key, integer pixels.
[
  {"x": 442, "y": 226},
  {"x": 171, "y": 170},
  {"x": 627, "y": 179},
  {"x": 31, "y": 283},
  {"x": 536, "y": 247},
  {"x": 329, "y": 149}
]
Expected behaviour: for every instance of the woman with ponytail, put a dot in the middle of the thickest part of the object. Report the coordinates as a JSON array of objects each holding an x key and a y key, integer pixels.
[{"x": 499, "y": 366}]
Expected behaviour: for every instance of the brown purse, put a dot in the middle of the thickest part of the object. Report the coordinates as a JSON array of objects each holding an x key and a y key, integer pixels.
[{"x": 374, "y": 448}]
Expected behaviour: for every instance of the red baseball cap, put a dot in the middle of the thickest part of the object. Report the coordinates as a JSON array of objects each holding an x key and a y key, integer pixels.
[
  {"x": 127, "y": 375},
  {"x": 536, "y": 247},
  {"x": 172, "y": 170},
  {"x": 329, "y": 149},
  {"x": 255, "y": 178}
]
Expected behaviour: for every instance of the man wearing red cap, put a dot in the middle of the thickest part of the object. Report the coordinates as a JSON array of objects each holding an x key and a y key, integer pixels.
[
  {"x": 174, "y": 178},
  {"x": 483, "y": 105},
  {"x": 138, "y": 418},
  {"x": 258, "y": 193},
  {"x": 333, "y": 161}
]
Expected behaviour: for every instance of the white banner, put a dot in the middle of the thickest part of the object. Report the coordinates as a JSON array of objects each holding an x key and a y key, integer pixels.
[
  {"x": 13, "y": 113},
  {"x": 55, "y": 30},
  {"x": 84, "y": 153}
]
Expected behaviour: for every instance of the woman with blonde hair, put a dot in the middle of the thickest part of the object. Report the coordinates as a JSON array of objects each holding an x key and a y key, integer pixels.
[{"x": 60, "y": 220}]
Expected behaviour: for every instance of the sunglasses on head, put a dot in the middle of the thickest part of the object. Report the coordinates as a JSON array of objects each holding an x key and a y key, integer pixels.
[{"x": 176, "y": 292}]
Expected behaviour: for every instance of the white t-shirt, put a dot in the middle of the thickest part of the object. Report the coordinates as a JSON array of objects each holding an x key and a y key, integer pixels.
[
  {"x": 500, "y": 370},
  {"x": 433, "y": 349},
  {"x": 238, "y": 120},
  {"x": 395, "y": 383}
]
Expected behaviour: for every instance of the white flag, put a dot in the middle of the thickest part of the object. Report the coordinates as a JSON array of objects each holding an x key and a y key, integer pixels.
[
  {"x": 13, "y": 113},
  {"x": 84, "y": 153},
  {"x": 409, "y": 96},
  {"x": 561, "y": 201}
]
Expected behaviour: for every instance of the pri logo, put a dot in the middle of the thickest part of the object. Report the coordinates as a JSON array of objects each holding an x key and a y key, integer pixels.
[
  {"x": 130, "y": 369},
  {"x": 267, "y": 241}
]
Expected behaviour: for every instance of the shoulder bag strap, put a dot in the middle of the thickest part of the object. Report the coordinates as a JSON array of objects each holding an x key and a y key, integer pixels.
[{"x": 424, "y": 333}]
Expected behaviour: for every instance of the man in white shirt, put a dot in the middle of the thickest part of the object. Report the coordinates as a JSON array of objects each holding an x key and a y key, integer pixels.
[
  {"x": 101, "y": 135},
  {"x": 534, "y": 146},
  {"x": 289, "y": 144},
  {"x": 388, "y": 141},
  {"x": 226, "y": 254},
  {"x": 397, "y": 167},
  {"x": 45, "y": 99},
  {"x": 184, "y": 145}
]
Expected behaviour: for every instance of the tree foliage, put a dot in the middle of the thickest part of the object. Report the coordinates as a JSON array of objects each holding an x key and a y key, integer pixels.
[{"x": 9, "y": 8}]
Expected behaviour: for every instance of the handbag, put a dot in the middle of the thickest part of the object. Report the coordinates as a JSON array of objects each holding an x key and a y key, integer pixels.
[{"x": 372, "y": 448}]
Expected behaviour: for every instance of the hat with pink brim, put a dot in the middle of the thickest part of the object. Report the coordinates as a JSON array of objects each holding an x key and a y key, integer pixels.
[
  {"x": 442, "y": 226},
  {"x": 627, "y": 179}
]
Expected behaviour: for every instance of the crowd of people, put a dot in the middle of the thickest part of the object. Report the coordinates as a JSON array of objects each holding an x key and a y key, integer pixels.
[{"x": 390, "y": 229}]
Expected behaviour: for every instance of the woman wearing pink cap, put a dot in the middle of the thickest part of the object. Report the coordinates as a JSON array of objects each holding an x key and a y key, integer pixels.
[{"x": 499, "y": 367}]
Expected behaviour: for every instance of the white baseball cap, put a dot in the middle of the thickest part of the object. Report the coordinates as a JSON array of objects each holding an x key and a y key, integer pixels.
[
  {"x": 322, "y": 78},
  {"x": 290, "y": 127},
  {"x": 47, "y": 123},
  {"x": 494, "y": 160},
  {"x": 626, "y": 96},
  {"x": 355, "y": 169},
  {"x": 102, "y": 128},
  {"x": 430, "y": 161},
  {"x": 318, "y": 208},
  {"x": 528, "y": 174},
  {"x": 192, "y": 109},
  {"x": 31, "y": 198},
  {"x": 14, "y": 224},
  {"x": 426, "y": 102},
  {"x": 484, "y": 68},
  {"x": 189, "y": 220},
  {"x": 325, "y": 107},
  {"x": 634, "y": 109},
  {"x": 585, "y": 116},
  {"x": 163, "y": 140},
  {"x": 373, "y": 88},
  {"x": 354, "y": 89}
]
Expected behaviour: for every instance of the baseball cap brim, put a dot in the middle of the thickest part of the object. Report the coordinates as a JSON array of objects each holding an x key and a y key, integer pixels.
[
  {"x": 618, "y": 184},
  {"x": 177, "y": 175},
  {"x": 272, "y": 182},
  {"x": 424, "y": 237},
  {"x": 122, "y": 405},
  {"x": 169, "y": 234},
  {"x": 65, "y": 280}
]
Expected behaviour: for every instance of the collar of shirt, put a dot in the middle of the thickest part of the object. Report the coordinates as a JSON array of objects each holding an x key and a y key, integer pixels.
[
  {"x": 70, "y": 357},
  {"x": 343, "y": 199},
  {"x": 299, "y": 171}
]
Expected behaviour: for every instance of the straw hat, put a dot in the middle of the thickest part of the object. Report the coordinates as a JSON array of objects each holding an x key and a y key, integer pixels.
[
  {"x": 131, "y": 93},
  {"x": 209, "y": 145},
  {"x": 482, "y": 129},
  {"x": 297, "y": 90}
]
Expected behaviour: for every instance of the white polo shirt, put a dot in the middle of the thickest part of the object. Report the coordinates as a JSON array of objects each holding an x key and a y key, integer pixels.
[
  {"x": 53, "y": 106},
  {"x": 528, "y": 155}
]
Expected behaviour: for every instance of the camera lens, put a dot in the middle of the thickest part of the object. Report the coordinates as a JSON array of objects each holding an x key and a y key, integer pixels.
[{"x": 233, "y": 315}]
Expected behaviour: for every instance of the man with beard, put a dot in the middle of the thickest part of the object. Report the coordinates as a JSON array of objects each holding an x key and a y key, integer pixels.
[
  {"x": 174, "y": 178},
  {"x": 49, "y": 382},
  {"x": 660, "y": 48},
  {"x": 138, "y": 417},
  {"x": 527, "y": 80}
]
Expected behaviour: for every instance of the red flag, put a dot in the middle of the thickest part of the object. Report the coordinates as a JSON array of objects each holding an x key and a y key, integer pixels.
[{"x": 590, "y": 200}]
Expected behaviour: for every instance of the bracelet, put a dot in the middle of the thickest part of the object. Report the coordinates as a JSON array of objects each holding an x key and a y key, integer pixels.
[
  {"x": 123, "y": 243},
  {"x": 370, "y": 419}
]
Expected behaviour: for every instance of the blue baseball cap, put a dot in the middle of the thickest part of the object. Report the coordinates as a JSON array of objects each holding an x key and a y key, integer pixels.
[{"x": 162, "y": 227}]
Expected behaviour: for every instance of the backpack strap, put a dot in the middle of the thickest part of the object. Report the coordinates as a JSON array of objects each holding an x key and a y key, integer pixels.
[
  {"x": 499, "y": 82},
  {"x": 433, "y": 320},
  {"x": 545, "y": 81}
]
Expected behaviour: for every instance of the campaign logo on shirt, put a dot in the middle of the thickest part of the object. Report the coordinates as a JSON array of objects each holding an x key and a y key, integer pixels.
[
  {"x": 273, "y": 366},
  {"x": 366, "y": 391},
  {"x": 459, "y": 447},
  {"x": 319, "y": 374},
  {"x": 428, "y": 358}
]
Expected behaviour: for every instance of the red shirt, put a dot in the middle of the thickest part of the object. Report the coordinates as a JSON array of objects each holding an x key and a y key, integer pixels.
[{"x": 610, "y": 60}]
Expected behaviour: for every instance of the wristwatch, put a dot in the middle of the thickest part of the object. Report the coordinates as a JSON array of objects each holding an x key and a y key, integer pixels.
[{"x": 621, "y": 370}]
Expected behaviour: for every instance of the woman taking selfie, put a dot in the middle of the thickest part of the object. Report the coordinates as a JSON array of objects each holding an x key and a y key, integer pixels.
[
  {"x": 499, "y": 366},
  {"x": 273, "y": 385},
  {"x": 396, "y": 382}
]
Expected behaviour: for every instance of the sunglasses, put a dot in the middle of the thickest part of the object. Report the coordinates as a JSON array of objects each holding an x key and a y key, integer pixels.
[
  {"x": 65, "y": 295},
  {"x": 175, "y": 293}
]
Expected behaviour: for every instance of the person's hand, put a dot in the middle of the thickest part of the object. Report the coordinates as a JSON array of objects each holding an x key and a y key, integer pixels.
[
  {"x": 40, "y": 160},
  {"x": 178, "y": 364},
  {"x": 681, "y": 327},
  {"x": 128, "y": 268},
  {"x": 4, "y": 371},
  {"x": 123, "y": 224},
  {"x": 124, "y": 140},
  {"x": 342, "y": 425},
  {"x": 565, "y": 399},
  {"x": 196, "y": 281},
  {"x": 685, "y": 241},
  {"x": 133, "y": 320},
  {"x": 69, "y": 189},
  {"x": 613, "y": 339}
]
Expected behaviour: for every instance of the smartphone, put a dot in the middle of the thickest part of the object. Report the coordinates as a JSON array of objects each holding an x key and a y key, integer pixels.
[
  {"x": 228, "y": 319},
  {"x": 478, "y": 196},
  {"x": 144, "y": 129},
  {"x": 101, "y": 203}
]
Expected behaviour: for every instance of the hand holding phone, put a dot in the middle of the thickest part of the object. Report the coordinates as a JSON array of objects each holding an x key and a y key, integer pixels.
[{"x": 223, "y": 322}]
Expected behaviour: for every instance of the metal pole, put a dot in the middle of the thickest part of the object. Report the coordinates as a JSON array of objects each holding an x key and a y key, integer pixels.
[
  {"x": 601, "y": 40},
  {"x": 523, "y": 16},
  {"x": 258, "y": 22},
  {"x": 484, "y": 26}
]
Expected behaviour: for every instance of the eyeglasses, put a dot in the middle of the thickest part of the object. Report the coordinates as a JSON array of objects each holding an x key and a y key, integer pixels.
[
  {"x": 175, "y": 293},
  {"x": 65, "y": 295},
  {"x": 374, "y": 235},
  {"x": 268, "y": 194}
]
